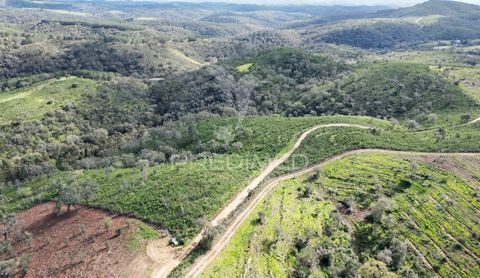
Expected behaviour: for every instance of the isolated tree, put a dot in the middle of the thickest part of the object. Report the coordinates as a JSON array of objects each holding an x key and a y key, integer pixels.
[
  {"x": 7, "y": 267},
  {"x": 66, "y": 240},
  {"x": 261, "y": 218},
  {"x": 107, "y": 223},
  {"x": 107, "y": 245},
  {"x": 6, "y": 248},
  {"x": 385, "y": 256},
  {"x": 442, "y": 133},
  {"x": 28, "y": 238},
  {"x": 208, "y": 235},
  {"x": 143, "y": 164},
  {"x": 82, "y": 227},
  {"x": 374, "y": 269},
  {"x": 307, "y": 190},
  {"x": 87, "y": 190},
  {"x": 399, "y": 252},
  {"x": 432, "y": 119},
  {"x": 8, "y": 225},
  {"x": 375, "y": 131},
  {"x": 465, "y": 118},
  {"x": 408, "y": 273},
  {"x": 412, "y": 124},
  {"x": 69, "y": 196},
  {"x": 382, "y": 205}
]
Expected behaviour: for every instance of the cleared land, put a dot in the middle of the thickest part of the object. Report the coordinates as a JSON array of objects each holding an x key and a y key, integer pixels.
[
  {"x": 77, "y": 243},
  {"x": 467, "y": 78},
  {"x": 244, "y": 68},
  {"x": 434, "y": 213},
  {"x": 34, "y": 102}
]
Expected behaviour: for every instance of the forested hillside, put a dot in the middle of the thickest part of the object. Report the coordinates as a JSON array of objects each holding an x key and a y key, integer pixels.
[
  {"x": 403, "y": 28},
  {"x": 171, "y": 112}
]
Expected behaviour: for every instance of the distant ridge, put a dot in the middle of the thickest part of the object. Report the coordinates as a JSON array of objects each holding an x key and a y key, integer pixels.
[
  {"x": 435, "y": 7},
  {"x": 315, "y": 10}
]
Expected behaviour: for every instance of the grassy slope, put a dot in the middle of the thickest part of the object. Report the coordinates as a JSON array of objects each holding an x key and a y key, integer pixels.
[
  {"x": 325, "y": 143},
  {"x": 48, "y": 96},
  {"x": 436, "y": 214},
  {"x": 437, "y": 57},
  {"x": 468, "y": 78}
]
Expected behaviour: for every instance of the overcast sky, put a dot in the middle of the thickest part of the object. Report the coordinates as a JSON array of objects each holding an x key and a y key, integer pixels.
[{"x": 396, "y": 3}]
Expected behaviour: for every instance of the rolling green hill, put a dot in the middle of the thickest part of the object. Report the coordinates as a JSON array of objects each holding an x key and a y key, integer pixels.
[{"x": 293, "y": 82}]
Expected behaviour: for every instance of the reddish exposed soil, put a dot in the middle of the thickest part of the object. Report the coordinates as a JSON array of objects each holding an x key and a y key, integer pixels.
[{"x": 73, "y": 244}]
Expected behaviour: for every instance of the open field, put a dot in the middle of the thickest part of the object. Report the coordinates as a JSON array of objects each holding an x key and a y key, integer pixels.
[
  {"x": 329, "y": 212},
  {"x": 244, "y": 68},
  {"x": 33, "y": 102}
]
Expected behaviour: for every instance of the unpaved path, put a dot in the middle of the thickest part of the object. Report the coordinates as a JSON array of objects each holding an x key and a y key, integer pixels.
[
  {"x": 472, "y": 122},
  {"x": 174, "y": 256},
  {"x": 202, "y": 262},
  {"x": 419, "y": 22},
  {"x": 171, "y": 257}
]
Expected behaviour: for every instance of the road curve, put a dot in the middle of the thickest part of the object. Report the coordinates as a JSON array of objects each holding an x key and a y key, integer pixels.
[
  {"x": 202, "y": 262},
  {"x": 162, "y": 269}
]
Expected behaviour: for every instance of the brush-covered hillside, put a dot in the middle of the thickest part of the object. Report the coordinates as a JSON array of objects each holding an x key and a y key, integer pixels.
[{"x": 177, "y": 114}]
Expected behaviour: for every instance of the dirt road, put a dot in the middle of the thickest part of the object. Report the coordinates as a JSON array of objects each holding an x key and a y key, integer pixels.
[
  {"x": 171, "y": 257},
  {"x": 472, "y": 122}
]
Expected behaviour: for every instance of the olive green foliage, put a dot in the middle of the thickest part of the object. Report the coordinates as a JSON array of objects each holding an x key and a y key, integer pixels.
[
  {"x": 399, "y": 90},
  {"x": 276, "y": 76}
]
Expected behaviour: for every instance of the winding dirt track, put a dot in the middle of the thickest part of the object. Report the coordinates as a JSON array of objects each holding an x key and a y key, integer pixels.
[{"x": 164, "y": 267}]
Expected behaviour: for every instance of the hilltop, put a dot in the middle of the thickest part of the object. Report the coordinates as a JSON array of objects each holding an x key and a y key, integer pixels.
[{"x": 435, "y": 7}]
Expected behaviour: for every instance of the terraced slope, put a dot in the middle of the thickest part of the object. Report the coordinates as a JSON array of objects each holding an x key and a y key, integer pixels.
[{"x": 389, "y": 210}]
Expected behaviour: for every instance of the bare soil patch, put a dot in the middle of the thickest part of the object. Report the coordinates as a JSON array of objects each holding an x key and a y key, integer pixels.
[{"x": 76, "y": 243}]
